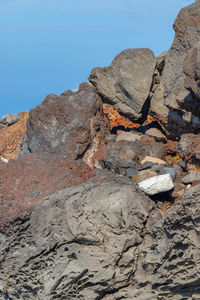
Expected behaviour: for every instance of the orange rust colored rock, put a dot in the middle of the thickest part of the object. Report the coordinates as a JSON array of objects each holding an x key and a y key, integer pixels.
[{"x": 10, "y": 138}]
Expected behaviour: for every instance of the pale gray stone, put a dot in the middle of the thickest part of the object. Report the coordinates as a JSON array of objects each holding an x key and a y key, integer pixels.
[{"x": 156, "y": 185}]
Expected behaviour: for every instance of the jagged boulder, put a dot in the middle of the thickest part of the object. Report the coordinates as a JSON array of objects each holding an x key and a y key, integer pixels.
[
  {"x": 11, "y": 119},
  {"x": 81, "y": 242},
  {"x": 72, "y": 125},
  {"x": 189, "y": 148},
  {"x": 176, "y": 97},
  {"x": 126, "y": 82}
]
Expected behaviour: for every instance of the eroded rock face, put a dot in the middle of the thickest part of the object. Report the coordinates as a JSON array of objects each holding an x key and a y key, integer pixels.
[
  {"x": 189, "y": 148},
  {"x": 182, "y": 114},
  {"x": 126, "y": 82},
  {"x": 103, "y": 241},
  {"x": 84, "y": 240},
  {"x": 187, "y": 27},
  {"x": 25, "y": 181},
  {"x": 71, "y": 125}
]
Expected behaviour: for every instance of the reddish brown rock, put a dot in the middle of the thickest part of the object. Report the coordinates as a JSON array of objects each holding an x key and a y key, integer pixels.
[
  {"x": 25, "y": 181},
  {"x": 71, "y": 125}
]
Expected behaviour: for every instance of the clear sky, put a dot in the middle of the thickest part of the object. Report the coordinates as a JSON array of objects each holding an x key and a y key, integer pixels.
[{"x": 49, "y": 46}]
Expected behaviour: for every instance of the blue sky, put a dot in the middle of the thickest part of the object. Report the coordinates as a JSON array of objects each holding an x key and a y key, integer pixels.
[{"x": 49, "y": 46}]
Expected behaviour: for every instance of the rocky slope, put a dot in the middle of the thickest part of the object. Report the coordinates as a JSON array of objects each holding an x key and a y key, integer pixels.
[{"x": 100, "y": 189}]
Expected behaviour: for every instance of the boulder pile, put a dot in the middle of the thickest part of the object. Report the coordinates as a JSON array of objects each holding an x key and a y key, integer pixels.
[{"x": 100, "y": 198}]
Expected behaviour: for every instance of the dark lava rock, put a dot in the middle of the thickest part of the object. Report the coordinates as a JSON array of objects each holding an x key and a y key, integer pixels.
[
  {"x": 187, "y": 27},
  {"x": 189, "y": 148},
  {"x": 122, "y": 155},
  {"x": 182, "y": 117},
  {"x": 126, "y": 82},
  {"x": 131, "y": 172},
  {"x": 72, "y": 125},
  {"x": 171, "y": 171},
  {"x": 25, "y": 181},
  {"x": 102, "y": 240}
]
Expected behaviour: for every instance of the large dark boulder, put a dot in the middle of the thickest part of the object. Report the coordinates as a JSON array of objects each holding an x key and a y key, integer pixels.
[
  {"x": 181, "y": 116},
  {"x": 71, "y": 125},
  {"x": 79, "y": 243},
  {"x": 102, "y": 241},
  {"x": 126, "y": 82},
  {"x": 25, "y": 181},
  {"x": 192, "y": 82}
]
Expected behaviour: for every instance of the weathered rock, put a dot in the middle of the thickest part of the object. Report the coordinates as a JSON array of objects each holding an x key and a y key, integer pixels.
[
  {"x": 11, "y": 119},
  {"x": 171, "y": 171},
  {"x": 191, "y": 177},
  {"x": 72, "y": 125},
  {"x": 192, "y": 71},
  {"x": 145, "y": 174},
  {"x": 131, "y": 172},
  {"x": 189, "y": 148},
  {"x": 181, "y": 116},
  {"x": 156, "y": 185},
  {"x": 120, "y": 156},
  {"x": 126, "y": 82},
  {"x": 187, "y": 27},
  {"x": 80, "y": 242},
  {"x": 157, "y": 134},
  {"x": 153, "y": 160},
  {"x": 25, "y": 181},
  {"x": 128, "y": 136},
  {"x": 169, "y": 264}
]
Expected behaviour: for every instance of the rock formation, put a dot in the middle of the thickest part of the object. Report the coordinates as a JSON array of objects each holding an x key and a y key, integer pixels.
[{"x": 102, "y": 198}]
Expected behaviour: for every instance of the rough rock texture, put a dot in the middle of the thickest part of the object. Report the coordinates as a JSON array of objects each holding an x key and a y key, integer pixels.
[
  {"x": 126, "y": 82},
  {"x": 72, "y": 125},
  {"x": 189, "y": 148},
  {"x": 156, "y": 185},
  {"x": 191, "y": 177},
  {"x": 192, "y": 70},
  {"x": 11, "y": 119},
  {"x": 103, "y": 241},
  {"x": 119, "y": 156},
  {"x": 169, "y": 266},
  {"x": 79, "y": 243},
  {"x": 25, "y": 181},
  {"x": 187, "y": 28}
]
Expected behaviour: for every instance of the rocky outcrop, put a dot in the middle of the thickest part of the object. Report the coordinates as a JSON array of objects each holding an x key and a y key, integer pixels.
[
  {"x": 126, "y": 82},
  {"x": 189, "y": 148},
  {"x": 177, "y": 98},
  {"x": 71, "y": 125},
  {"x": 25, "y": 181},
  {"x": 84, "y": 240}
]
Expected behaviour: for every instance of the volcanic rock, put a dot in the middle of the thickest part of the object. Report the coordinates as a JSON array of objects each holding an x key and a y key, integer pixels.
[
  {"x": 25, "y": 181},
  {"x": 126, "y": 82},
  {"x": 187, "y": 28},
  {"x": 153, "y": 160},
  {"x": 71, "y": 125},
  {"x": 145, "y": 174},
  {"x": 171, "y": 171},
  {"x": 79, "y": 239},
  {"x": 128, "y": 136},
  {"x": 11, "y": 119},
  {"x": 156, "y": 185},
  {"x": 191, "y": 177},
  {"x": 189, "y": 148}
]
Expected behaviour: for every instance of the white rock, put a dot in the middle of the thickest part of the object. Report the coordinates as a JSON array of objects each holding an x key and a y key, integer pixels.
[{"x": 157, "y": 184}]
